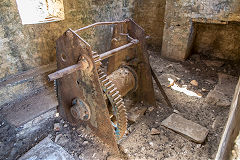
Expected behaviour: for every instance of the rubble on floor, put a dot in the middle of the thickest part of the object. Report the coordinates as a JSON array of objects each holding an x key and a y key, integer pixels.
[{"x": 146, "y": 137}]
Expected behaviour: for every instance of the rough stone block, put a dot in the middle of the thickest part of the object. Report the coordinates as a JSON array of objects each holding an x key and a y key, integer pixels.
[
  {"x": 135, "y": 113},
  {"x": 194, "y": 131},
  {"x": 223, "y": 92},
  {"x": 47, "y": 150}
]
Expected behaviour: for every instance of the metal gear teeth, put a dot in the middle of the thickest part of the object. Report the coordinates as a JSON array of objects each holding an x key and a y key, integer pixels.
[
  {"x": 114, "y": 97},
  {"x": 96, "y": 59}
]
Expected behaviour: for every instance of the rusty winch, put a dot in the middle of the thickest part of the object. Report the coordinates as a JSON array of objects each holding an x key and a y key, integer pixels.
[{"x": 87, "y": 95}]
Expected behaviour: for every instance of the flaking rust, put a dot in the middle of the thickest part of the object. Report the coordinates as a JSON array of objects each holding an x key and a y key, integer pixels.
[{"x": 87, "y": 95}]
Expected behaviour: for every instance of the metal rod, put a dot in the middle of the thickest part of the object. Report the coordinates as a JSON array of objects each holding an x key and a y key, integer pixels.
[
  {"x": 98, "y": 24},
  {"x": 81, "y": 65},
  {"x": 111, "y": 52},
  {"x": 160, "y": 88},
  {"x": 65, "y": 71}
]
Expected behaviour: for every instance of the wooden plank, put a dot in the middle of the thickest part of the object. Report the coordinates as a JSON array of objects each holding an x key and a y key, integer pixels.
[{"x": 232, "y": 127}]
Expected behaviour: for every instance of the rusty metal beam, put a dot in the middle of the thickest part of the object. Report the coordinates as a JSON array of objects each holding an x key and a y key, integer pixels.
[
  {"x": 160, "y": 88},
  {"x": 83, "y": 64},
  {"x": 81, "y": 84},
  {"x": 64, "y": 72}
]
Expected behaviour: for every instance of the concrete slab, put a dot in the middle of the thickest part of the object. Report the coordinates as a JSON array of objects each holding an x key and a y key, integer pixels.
[
  {"x": 46, "y": 150},
  {"x": 194, "y": 131}
]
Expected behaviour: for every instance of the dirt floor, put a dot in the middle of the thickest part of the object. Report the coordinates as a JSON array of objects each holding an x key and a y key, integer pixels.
[
  {"x": 138, "y": 142},
  {"x": 167, "y": 145}
]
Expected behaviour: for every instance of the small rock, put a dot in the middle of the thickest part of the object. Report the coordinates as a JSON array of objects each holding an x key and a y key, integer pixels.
[
  {"x": 94, "y": 154},
  {"x": 135, "y": 113},
  {"x": 151, "y": 143},
  {"x": 198, "y": 70},
  {"x": 170, "y": 65},
  {"x": 85, "y": 143},
  {"x": 57, "y": 115},
  {"x": 176, "y": 111},
  {"x": 215, "y": 63},
  {"x": 210, "y": 81},
  {"x": 56, "y": 127},
  {"x": 154, "y": 131},
  {"x": 57, "y": 137},
  {"x": 194, "y": 83},
  {"x": 73, "y": 128},
  {"x": 199, "y": 145},
  {"x": 130, "y": 129},
  {"x": 204, "y": 90},
  {"x": 65, "y": 125},
  {"x": 150, "y": 109}
]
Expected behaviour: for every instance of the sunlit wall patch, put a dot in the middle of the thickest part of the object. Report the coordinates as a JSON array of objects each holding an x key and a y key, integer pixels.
[{"x": 40, "y": 11}]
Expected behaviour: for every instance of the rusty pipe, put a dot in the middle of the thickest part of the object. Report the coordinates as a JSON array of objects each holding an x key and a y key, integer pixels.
[
  {"x": 98, "y": 24},
  {"x": 83, "y": 64},
  {"x": 113, "y": 51}
]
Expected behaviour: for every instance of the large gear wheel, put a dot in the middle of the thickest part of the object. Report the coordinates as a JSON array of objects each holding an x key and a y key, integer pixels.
[
  {"x": 116, "y": 107},
  {"x": 117, "y": 111}
]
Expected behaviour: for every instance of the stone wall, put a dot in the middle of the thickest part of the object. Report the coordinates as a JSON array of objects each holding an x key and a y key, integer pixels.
[
  {"x": 150, "y": 15},
  {"x": 27, "y": 46},
  {"x": 180, "y": 16},
  {"x": 23, "y": 47},
  {"x": 218, "y": 40}
]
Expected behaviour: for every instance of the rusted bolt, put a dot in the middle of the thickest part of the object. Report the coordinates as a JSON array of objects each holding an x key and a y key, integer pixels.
[{"x": 80, "y": 110}]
